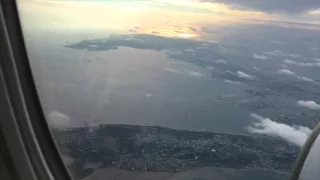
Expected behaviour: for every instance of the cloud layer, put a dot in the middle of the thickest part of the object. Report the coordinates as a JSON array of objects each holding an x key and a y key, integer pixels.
[
  {"x": 193, "y": 73},
  {"x": 301, "y": 78},
  {"x": 316, "y": 59},
  {"x": 256, "y": 68},
  {"x": 232, "y": 82},
  {"x": 220, "y": 61},
  {"x": 286, "y": 72},
  {"x": 296, "y": 135},
  {"x": 243, "y": 75},
  {"x": 261, "y": 57},
  {"x": 301, "y": 64},
  {"x": 147, "y": 95},
  {"x": 210, "y": 67},
  {"x": 309, "y": 104}
]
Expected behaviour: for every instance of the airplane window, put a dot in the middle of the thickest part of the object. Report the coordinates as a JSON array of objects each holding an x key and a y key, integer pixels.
[{"x": 184, "y": 89}]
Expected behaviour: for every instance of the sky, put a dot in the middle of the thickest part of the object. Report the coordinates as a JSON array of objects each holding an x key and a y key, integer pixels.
[{"x": 179, "y": 18}]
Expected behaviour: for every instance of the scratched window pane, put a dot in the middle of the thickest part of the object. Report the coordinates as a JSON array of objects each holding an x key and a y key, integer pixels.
[{"x": 182, "y": 89}]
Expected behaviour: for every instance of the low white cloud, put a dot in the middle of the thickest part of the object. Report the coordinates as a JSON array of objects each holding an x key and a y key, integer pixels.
[
  {"x": 193, "y": 73},
  {"x": 274, "y": 53},
  {"x": 230, "y": 72},
  {"x": 296, "y": 135},
  {"x": 283, "y": 66},
  {"x": 316, "y": 59},
  {"x": 290, "y": 73},
  {"x": 261, "y": 57},
  {"x": 277, "y": 53},
  {"x": 243, "y": 75},
  {"x": 289, "y": 61},
  {"x": 172, "y": 70},
  {"x": 305, "y": 79},
  {"x": 309, "y": 104},
  {"x": 232, "y": 82},
  {"x": 187, "y": 72},
  {"x": 220, "y": 61},
  {"x": 256, "y": 68},
  {"x": 304, "y": 129},
  {"x": 286, "y": 72},
  {"x": 294, "y": 55},
  {"x": 147, "y": 95},
  {"x": 301, "y": 64},
  {"x": 58, "y": 120},
  {"x": 210, "y": 67},
  {"x": 190, "y": 50}
]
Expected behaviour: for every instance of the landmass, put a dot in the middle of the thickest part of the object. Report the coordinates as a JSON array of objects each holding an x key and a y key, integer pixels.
[{"x": 170, "y": 152}]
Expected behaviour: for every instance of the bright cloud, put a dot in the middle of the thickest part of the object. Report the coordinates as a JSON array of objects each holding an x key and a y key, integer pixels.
[
  {"x": 261, "y": 57},
  {"x": 309, "y": 104},
  {"x": 305, "y": 79},
  {"x": 290, "y": 73},
  {"x": 232, "y": 82},
  {"x": 147, "y": 95},
  {"x": 58, "y": 120},
  {"x": 286, "y": 72},
  {"x": 243, "y": 75},
  {"x": 294, "y": 55},
  {"x": 188, "y": 72},
  {"x": 296, "y": 135},
  {"x": 210, "y": 67},
  {"x": 172, "y": 70},
  {"x": 256, "y": 68},
  {"x": 283, "y": 66},
  {"x": 220, "y": 61},
  {"x": 230, "y": 72},
  {"x": 301, "y": 64},
  {"x": 194, "y": 73}
]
